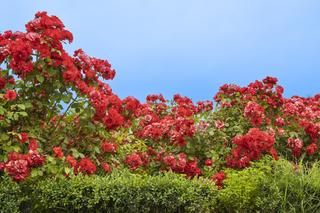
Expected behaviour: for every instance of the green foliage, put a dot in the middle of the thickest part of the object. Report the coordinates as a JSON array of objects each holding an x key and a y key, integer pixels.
[
  {"x": 299, "y": 186},
  {"x": 11, "y": 196},
  {"x": 250, "y": 190},
  {"x": 125, "y": 192}
]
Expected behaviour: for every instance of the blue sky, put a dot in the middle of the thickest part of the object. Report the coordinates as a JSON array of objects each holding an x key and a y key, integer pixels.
[{"x": 190, "y": 47}]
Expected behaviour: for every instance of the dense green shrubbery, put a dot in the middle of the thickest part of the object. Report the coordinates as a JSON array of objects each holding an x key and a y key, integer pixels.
[
  {"x": 125, "y": 193},
  {"x": 252, "y": 189},
  {"x": 11, "y": 195},
  {"x": 267, "y": 186}
]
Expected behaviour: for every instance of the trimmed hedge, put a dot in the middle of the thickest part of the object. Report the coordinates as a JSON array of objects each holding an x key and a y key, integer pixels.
[
  {"x": 11, "y": 196},
  {"x": 125, "y": 193},
  {"x": 267, "y": 186}
]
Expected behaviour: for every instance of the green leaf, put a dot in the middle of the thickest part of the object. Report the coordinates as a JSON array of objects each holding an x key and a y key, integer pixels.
[
  {"x": 4, "y": 137},
  {"x": 2, "y": 110},
  {"x": 40, "y": 78},
  {"x": 24, "y": 114},
  {"x": 67, "y": 98},
  {"x": 21, "y": 106},
  {"x": 52, "y": 71}
]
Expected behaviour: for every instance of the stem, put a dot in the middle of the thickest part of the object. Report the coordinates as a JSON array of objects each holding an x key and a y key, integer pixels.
[{"x": 56, "y": 126}]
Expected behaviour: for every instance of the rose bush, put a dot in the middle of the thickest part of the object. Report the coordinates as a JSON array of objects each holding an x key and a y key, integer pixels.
[{"x": 59, "y": 117}]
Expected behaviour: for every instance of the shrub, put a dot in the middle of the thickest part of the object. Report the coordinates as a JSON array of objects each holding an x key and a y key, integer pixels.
[
  {"x": 11, "y": 196},
  {"x": 250, "y": 190},
  {"x": 125, "y": 193}
]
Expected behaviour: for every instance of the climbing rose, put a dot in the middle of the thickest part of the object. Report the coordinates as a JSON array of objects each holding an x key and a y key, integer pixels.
[
  {"x": 208, "y": 162},
  {"x": 312, "y": 148},
  {"x": 133, "y": 161},
  {"x": 35, "y": 159},
  {"x": 109, "y": 147},
  {"x": 10, "y": 95},
  {"x": 218, "y": 179},
  {"x": 33, "y": 144},
  {"x": 58, "y": 152},
  {"x": 17, "y": 166},
  {"x": 24, "y": 137},
  {"x": 71, "y": 161},
  {"x": 255, "y": 113},
  {"x": 106, "y": 167},
  {"x": 87, "y": 166}
]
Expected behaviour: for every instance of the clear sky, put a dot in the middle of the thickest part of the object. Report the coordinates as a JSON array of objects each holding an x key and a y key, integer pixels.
[{"x": 190, "y": 47}]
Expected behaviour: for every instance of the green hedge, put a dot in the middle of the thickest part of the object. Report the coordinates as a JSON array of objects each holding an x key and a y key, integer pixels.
[
  {"x": 125, "y": 193},
  {"x": 267, "y": 186},
  {"x": 11, "y": 196}
]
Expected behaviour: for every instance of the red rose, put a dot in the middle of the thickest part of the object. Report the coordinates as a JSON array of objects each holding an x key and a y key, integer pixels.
[
  {"x": 33, "y": 144},
  {"x": 106, "y": 167},
  {"x": 208, "y": 162},
  {"x": 71, "y": 161},
  {"x": 86, "y": 166},
  {"x": 218, "y": 179},
  {"x": 58, "y": 152},
  {"x": 35, "y": 159},
  {"x": 312, "y": 148},
  {"x": 24, "y": 137},
  {"x": 10, "y": 95},
  {"x": 133, "y": 161},
  {"x": 109, "y": 147}
]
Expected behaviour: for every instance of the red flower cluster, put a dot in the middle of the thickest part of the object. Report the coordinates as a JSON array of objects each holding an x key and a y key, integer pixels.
[
  {"x": 295, "y": 145},
  {"x": 312, "y": 129},
  {"x": 106, "y": 167},
  {"x": 312, "y": 148},
  {"x": 177, "y": 134},
  {"x": 255, "y": 113},
  {"x": 133, "y": 161},
  {"x": 10, "y": 95},
  {"x": 265, "y": 91},
  {"x": 218, "y": 178},
  {"x": 182, "y": 165},
  {"x": 58, "y": 152},
  {"x": 85, "y": 166},
  {"x": 109, "y": 147},
  {"x": 18, "y": 165},
  {"x": 251, "y": 147}
]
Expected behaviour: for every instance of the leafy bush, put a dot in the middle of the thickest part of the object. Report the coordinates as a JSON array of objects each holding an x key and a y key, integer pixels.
[
  {"x": 11, "y": 196},
  {"x": 250, "y": 190},
  {"x": 125, "y": 193}
]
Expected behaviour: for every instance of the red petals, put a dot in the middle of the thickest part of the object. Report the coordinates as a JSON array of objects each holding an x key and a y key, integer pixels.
[
  {"x": 218, "y": 179},
  {"x": 109, "y": 147},
  {"x": 35, "y": 159},
  {"x": 251, "y": 147},
  {"x": 58, "y": 152},
  {"x": 24, "y": 137},
  {"x": 86, "y": 166},
  {"x": 106, "y": 167},
  {"x": 33, "y": 144},
  {"x": 312, "y": 148},
  {"x": 295, "y": 145},
  {"x": 208, "y": 162},
  {"x": 72, "y": 162},
  {"x": 133, "y": 161},
  {"x": 255, "y": 113},
  {"x": 10, "y": 95}
]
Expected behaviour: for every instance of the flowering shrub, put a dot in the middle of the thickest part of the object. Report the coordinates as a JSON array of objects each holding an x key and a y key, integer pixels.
[{"x": 59, "y": 117}]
